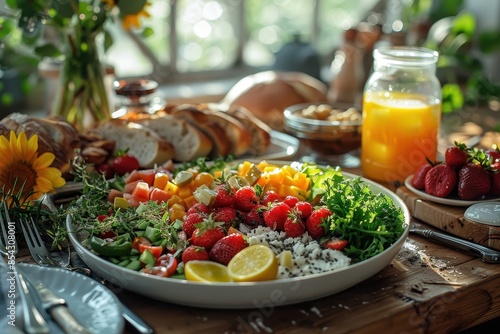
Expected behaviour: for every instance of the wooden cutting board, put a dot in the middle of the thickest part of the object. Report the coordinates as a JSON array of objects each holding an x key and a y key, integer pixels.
[{"x": 450, "y": 219}]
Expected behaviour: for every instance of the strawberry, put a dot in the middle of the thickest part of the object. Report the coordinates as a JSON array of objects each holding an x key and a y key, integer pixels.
[
  {"x": 303, "y": 209},
  {"x": 194, "y": 253},
  {"x": 456, "y": 156},
  {"x": 418, "y": 180},
  {"x": 493, "y": 153},
  {"x": 224, "y": 197},
  {"x": 188, "y": 225},
  {"x": 245, "y": 199},
  {"x": 335, "y": 244},
  {"x": 200, "y": 208},
  {"x": 294, "y": 226},
  {"x": 291, "y": 200},
  {"x": 270, "y": 196},
  {"x": 207, "y": 236},
  {"x": 226, "y": 248},
  {"x": 316, "y": 221},
  {"x": 440, "y": 180},
  {"x": 473, "y": 182},
  {"x": 226, "y": 215},
  {"x": 106, "y": 170},
  {"x": 276, "y": 215},
  {"x": 125, "y": 163},
  {"x": 495, "y": 183},
  {"x": 254, "y": 216}
]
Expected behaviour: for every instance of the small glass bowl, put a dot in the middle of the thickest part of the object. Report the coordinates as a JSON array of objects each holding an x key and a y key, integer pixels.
[{"x": 330, "y": 141}]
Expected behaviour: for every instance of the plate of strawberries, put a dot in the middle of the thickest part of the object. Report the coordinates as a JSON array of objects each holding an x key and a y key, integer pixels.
[{"x": 465, "y": 177}]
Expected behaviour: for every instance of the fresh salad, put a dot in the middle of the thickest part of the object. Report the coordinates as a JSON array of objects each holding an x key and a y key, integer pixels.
[{"x": 234, "y": 221}]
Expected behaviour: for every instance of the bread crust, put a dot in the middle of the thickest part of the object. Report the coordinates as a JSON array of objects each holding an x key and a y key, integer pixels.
[
  {"x": 55, "y": 136},
  {"x": 267, "y": 94},
  {"x": 140, "y": 141},
  {"x": 228, "y": 135},
  {"x": 261, "y": 132},
  {"x": 189, "y": 142}
]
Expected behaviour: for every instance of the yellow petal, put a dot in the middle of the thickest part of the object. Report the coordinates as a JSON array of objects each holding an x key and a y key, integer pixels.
[{"x": 44, "y": 161}]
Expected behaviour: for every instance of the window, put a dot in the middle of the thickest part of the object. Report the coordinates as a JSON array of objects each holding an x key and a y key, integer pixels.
[{"x": 216, "y": 38}]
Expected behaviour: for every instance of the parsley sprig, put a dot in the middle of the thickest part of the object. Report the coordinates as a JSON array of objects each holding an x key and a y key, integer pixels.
[{"x": 370, "y": 222}]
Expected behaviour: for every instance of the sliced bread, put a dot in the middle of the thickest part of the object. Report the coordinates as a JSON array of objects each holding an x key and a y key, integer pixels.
[
  {"x": 221, "y": 145},
  {"x": 140, "y": 141},
  {"x": 210, "y": 118},
  {"x": 189, "y": 142},
  {"x": 261, "y": 132}
]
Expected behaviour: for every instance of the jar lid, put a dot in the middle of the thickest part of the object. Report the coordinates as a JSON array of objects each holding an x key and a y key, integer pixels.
[{"x": 406, "y": 55}]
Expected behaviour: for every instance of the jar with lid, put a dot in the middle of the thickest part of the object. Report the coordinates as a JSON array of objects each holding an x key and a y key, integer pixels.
[{"x": 401, "y": 113}]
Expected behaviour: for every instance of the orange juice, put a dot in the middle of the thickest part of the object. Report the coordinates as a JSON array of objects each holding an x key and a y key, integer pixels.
[{"x": 399, "y": 132}]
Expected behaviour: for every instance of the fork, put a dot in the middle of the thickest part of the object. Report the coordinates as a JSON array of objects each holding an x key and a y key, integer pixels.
[
  {"x": 33, "y": 320},
  {"x": 37, "y": 248}
]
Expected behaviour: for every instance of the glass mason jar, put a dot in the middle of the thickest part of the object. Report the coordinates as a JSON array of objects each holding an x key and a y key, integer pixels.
[{"x": 401, "y": 113}]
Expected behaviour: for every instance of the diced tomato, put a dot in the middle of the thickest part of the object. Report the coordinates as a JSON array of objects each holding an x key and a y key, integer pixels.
[
  {"x": 147, "y": 175},
  {"x": 133, "y": 176},
  {"x": 114, "y": 193},
  {"x": 166, "y": 265},
  {"x": 141, "y": 191},
  {"x": 159, "y": 195},
  {"x": 129, "y": 187},
  {"x": 168, "y": 261},
  {"x": 335, "y": 244},
  {"x": 155, "y": 250},
  {"x": 140, "y": 241}
]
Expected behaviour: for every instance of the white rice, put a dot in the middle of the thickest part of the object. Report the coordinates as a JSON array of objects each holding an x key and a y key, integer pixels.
[{"x": 308, "y": 255}]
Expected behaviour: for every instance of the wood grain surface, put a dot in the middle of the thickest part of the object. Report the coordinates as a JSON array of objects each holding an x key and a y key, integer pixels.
[{"x": 450, "y": 219}]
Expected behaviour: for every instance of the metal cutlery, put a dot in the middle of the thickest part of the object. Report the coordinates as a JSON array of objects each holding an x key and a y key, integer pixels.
[
  {"x": 57, "y": 308},
  {"x": 32, "y": 319},
  {"x": 486, "y": 254}
]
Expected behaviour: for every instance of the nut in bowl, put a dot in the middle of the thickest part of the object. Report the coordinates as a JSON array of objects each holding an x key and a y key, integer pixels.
[{"x": 332, "y": 133}]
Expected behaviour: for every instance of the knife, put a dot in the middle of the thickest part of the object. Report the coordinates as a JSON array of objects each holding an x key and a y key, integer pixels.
[
  {"x": 486, "y": 254},
  {"x": 58, "y": 309}
]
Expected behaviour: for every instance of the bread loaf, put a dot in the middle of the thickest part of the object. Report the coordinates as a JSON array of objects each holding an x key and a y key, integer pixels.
[
  {"x": 267, "y": 94},
  {"x": 189, "y": 142},
  {"x": 261, "y": 132},
  {"x": 140, "y": 141},
  {"x": 54, "y": 136},
  {"x": 228, "y": 135}
]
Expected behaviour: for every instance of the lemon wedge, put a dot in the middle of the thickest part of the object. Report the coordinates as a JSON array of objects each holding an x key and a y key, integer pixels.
[
  {"x": 254, "y": 263},
  {"x": 206, "y": 271},
  {"x": 286, "y": 259}
]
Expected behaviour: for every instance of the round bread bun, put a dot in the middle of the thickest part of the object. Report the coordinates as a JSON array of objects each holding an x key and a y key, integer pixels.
[{"x": 267, "y": 94}]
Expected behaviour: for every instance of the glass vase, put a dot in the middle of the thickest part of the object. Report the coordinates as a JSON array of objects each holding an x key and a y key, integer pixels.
[{"x": 82, "y": 98}]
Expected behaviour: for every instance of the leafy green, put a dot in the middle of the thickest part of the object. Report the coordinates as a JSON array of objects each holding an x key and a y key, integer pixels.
[{"x": 370, "y": 222}]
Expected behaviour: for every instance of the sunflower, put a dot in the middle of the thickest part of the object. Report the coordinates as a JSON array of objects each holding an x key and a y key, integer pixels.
[
  {"x": 23, "y": 172},
  {"x": 133, "y": 20}
]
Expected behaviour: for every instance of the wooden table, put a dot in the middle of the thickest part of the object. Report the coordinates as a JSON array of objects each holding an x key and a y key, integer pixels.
[{"x": 428, "y": 288}]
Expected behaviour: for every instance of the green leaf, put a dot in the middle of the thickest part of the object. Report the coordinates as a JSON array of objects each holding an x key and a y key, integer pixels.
[
  {"x": 48, "y": 50},
  {"x": 147, "y": 32},
  {"x": 464, "y": 23},
  {"x": 131, "y": 7},
  {"x": 489, "y": 41},
  {"x": 108, "y": 40},
  {"x": 453, "y": 98}
]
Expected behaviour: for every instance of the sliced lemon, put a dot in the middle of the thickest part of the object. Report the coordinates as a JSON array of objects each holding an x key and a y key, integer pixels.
[
  {"x": 286, "y": 259},
  {"x": 206, "y": 271},
  {"x": 254, "y": 263}
]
